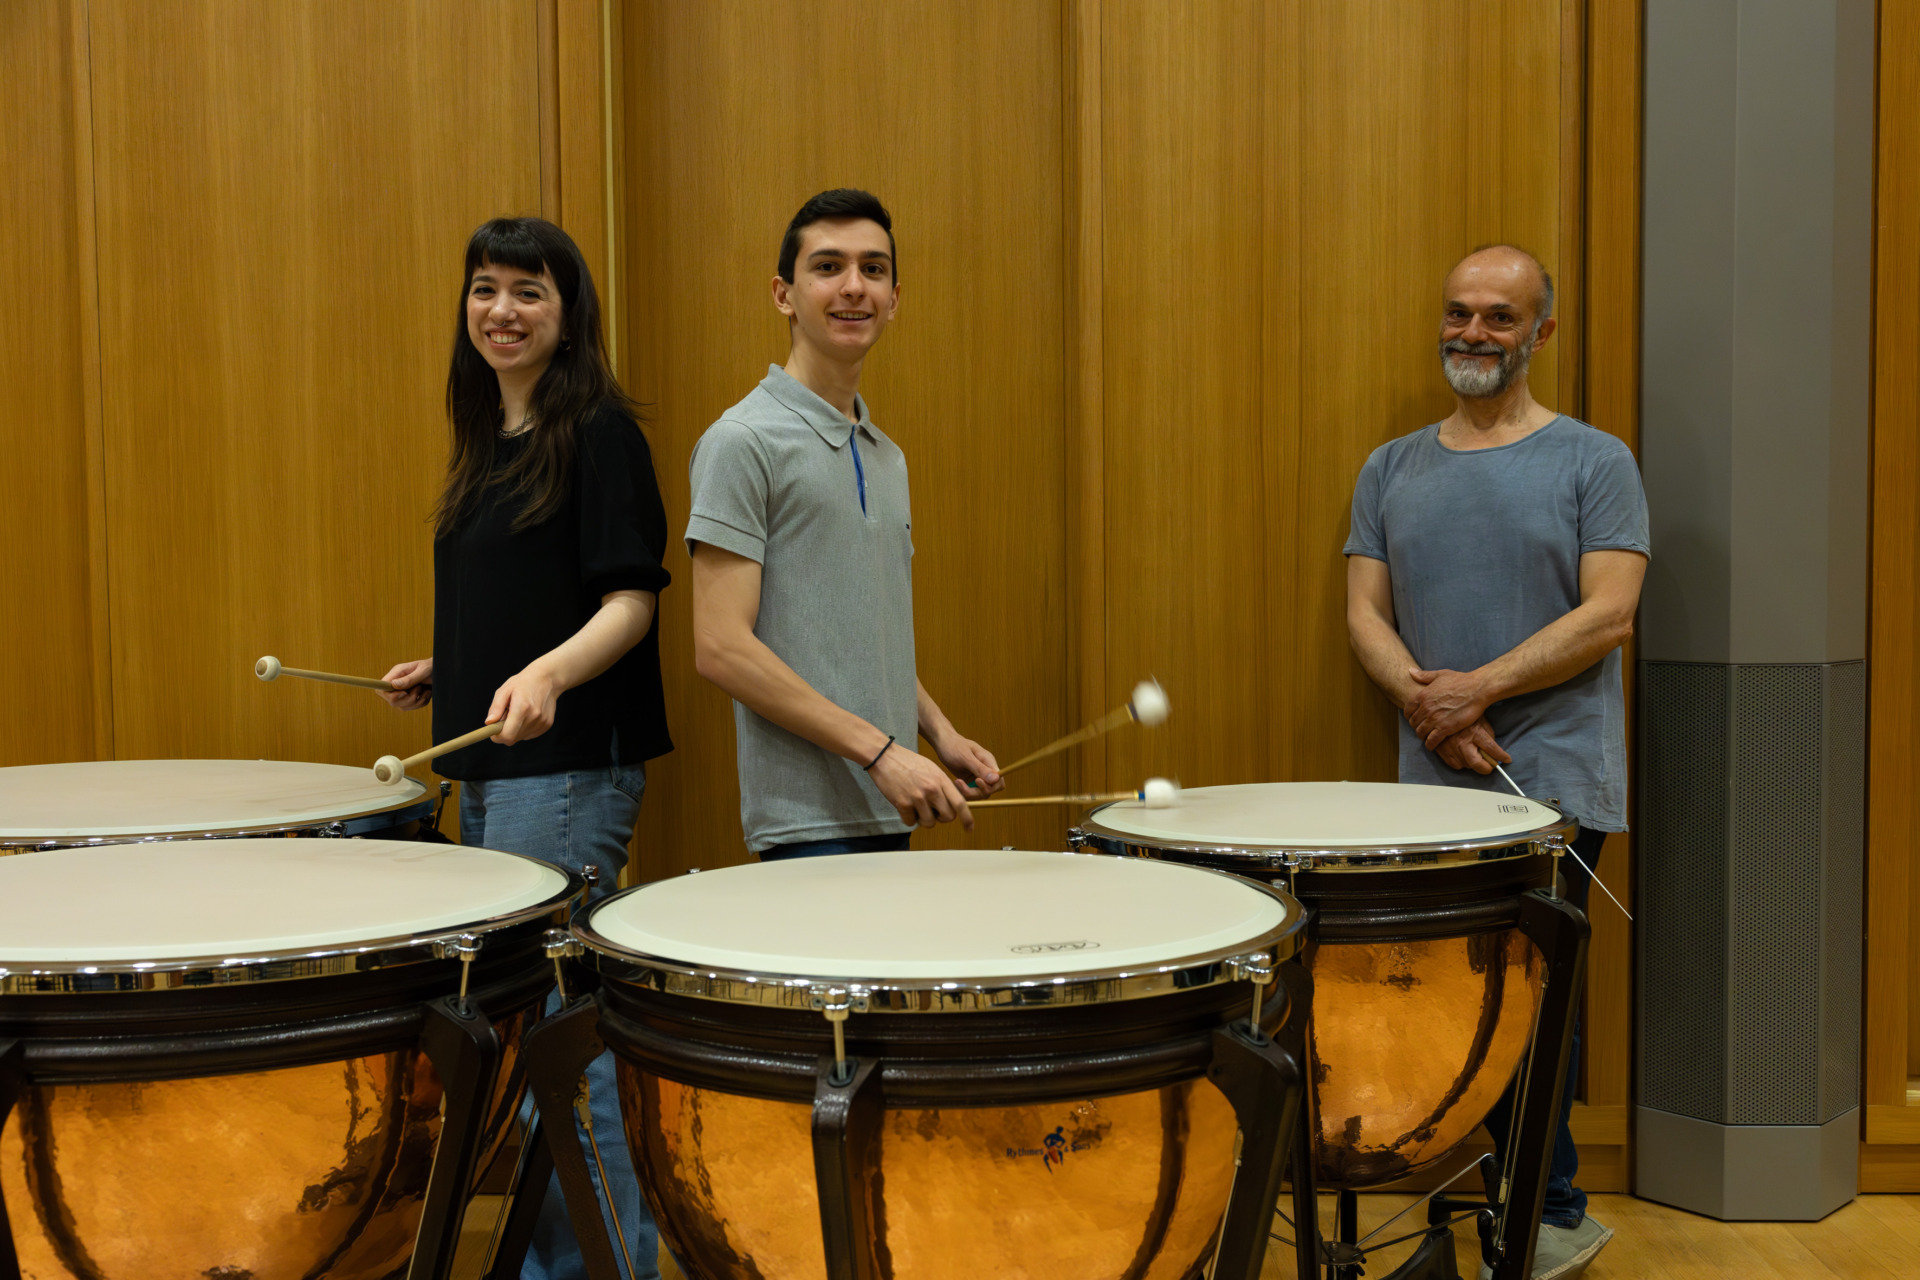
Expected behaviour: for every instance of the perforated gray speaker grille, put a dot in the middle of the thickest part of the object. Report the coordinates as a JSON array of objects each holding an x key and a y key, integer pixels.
[
  {"x": 1773, "y": 896},
  {"x": 1751, "y": 864},
  {"x": 1843, "y": 922},
  {"x": 1682, "y": 816}
]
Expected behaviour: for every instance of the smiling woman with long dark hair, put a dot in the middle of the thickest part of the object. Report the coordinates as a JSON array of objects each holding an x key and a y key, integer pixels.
[{"x": 548, "y": 539}]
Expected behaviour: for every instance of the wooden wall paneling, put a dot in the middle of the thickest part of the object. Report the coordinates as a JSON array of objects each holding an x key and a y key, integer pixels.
[
  {"x": 45, "y": 594},
  {"x": 1892, "y": 1026},
  {"x": 582, "y": 59},
  {"x": 1603, "y": 352},
  {"x": 1187, "y": 562},
  {"x": 547, "y": 20},
  {"x": 1084, "y": 252},
  {"x": 279, "y": 275},
  {"x": 1291, "y": 650},
  {"x": 955, "y": 120}
]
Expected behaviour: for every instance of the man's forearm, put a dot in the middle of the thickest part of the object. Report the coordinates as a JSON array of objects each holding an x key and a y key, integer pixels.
[
  {"x": 756, "y": 676},
  {"x": 934, "y": 725},
  {"x": 1556, "y": 653},
  {"x": 1383, "y": 656}
]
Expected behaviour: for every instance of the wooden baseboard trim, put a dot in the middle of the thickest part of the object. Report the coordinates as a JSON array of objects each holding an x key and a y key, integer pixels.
[
  {"x": 1889, "y": 1168},
  {"x": 1893, "y": 1126}
]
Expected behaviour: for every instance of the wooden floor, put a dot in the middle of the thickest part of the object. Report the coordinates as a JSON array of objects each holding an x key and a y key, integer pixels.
[{"x": 1874, "y": 1238}]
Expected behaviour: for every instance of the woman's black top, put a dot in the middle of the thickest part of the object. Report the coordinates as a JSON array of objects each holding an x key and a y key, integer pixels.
[{"x": 501, "y": 599}]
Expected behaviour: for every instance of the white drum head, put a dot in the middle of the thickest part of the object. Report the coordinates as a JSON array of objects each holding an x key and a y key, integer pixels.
[
  {"x": 252, "y": 898},
  {"x": 111, "y": 798},
  {"x": 1329, "y": 815},
  {"x": 961, "y": 915}
]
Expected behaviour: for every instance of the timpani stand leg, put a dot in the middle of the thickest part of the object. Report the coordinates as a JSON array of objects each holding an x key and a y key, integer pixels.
[
  {"x": 529, "y": 1189},
  {"x": 1264, "y": 1078},
  {"x": 557, "y": 1053},
  {"x": 846, "y": 1146},
  {"x": 1559, "y": 929},
  {"x": 1306, "y": 1197},
  {"x": 461, "y": 1043},
  {"x": 13, "y": 1080}
]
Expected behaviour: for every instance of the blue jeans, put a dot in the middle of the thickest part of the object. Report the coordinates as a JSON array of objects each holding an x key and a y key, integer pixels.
[
  {"x": 1565, "y": 1204},
  {"x": 846, "y": 844},
  {"x": 574, "y": 819}
]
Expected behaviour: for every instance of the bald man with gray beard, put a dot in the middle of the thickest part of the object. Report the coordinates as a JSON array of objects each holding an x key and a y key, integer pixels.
[{"x": 1494, "y": 566}]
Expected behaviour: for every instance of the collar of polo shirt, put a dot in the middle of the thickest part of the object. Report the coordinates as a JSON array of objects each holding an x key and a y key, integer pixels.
[{"x": 821, "y": 416}]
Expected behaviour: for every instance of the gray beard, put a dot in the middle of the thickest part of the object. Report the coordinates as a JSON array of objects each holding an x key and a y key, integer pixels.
[{"x": 1477, "y": 383}]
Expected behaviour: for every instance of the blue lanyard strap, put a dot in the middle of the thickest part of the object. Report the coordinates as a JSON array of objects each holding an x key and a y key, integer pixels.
[{"x": 859, "y": 469}]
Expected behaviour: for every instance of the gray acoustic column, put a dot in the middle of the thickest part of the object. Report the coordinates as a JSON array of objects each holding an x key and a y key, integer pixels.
[{"x": 1755, "y": 339}]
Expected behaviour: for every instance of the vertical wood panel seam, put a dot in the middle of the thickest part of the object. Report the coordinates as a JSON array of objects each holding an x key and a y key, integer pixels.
[
  {"x": 547, "y": 32},
  {"x": 1890, "y": 846},
  {"x": 612, "y": 286},
  {"x": 1086, "y": 119},
  {"x": 93, "y": 409}
]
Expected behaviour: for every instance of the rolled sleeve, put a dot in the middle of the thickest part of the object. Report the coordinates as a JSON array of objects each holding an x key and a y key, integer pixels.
[
  {"x": 1364, "y": 537},
  {"x": 622, "y": 520},
  {"x": 731, "y": 483},
  {"x": 1613, "y": 503}
]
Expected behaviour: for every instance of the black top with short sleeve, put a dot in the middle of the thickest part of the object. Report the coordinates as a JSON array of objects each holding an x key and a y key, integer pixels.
[{"x": 501, "y": 599}]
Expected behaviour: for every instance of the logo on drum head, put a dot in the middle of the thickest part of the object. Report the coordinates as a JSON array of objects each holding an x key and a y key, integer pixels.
[{"x": 1043, "y": 948}]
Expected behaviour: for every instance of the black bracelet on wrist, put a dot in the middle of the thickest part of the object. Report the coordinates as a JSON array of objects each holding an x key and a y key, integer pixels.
[{"x": 882, "y": 751}]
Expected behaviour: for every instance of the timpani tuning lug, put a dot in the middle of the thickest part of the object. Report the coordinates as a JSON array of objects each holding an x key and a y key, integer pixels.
[
  {"x": 560, "y": 945},
  {"x": 465, "y": 948},
  {"x": 836, "y": 1003},
  {"x": 1259, "y": 970}
]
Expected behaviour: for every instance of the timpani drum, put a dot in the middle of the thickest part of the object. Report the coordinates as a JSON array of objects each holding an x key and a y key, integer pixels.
[
  {"x": 943, "y": 1063},
  {"x": 271, "y": 1059},
  {"x": 1427, "y": 985},
  {"x": 60, "y": 806}
]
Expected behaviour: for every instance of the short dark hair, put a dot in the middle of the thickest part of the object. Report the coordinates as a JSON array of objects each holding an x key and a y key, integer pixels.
[{"x": 841, "y": 202}]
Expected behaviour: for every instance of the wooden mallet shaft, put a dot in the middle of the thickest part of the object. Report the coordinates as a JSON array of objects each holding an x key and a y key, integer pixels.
[
  {"x": 1105, "y": 724},
  {"x": 1102, "y": 798},
  {"x": 269, "y": 668},
  {"x": 390, "y": 769}
]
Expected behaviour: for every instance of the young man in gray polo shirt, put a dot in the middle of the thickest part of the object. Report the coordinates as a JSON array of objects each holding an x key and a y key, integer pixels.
[
  {"x": 802, "y": 545},
  {"x": 1493, "y": 570}
]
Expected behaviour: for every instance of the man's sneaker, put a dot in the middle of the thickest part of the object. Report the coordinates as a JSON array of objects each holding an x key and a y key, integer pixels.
[{"x": 1564, "y": 1252}]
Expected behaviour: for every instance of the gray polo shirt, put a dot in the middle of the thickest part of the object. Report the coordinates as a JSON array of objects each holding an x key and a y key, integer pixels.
[
  {"x": 1483, "y": 549},
  {"x": 781, "y": 480}
]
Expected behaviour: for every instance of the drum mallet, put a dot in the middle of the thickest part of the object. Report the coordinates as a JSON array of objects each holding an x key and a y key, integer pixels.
[
  {"x": 1148, "y": 706},
  {"x": 269, "y": 669},
  {"x": 1158, "y": 793},
  {"x": 1576, "y": 857},
  {"x": 391, "y": 769}
]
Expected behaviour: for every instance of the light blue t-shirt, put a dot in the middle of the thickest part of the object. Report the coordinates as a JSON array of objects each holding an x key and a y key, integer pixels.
[{"x": 1483, "y": 549}]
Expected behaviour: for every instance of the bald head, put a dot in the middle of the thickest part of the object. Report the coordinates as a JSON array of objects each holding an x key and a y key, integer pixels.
[{"x": 1505, "y": 270}]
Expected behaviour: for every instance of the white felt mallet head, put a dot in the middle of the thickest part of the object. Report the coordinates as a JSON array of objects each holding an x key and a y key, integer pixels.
[
  {"x": 1149, "y": 703},
  {"x": 389, "y": 769},
  {"x": 1160, "y": 793},
  {"x": 267, "y": 668}
]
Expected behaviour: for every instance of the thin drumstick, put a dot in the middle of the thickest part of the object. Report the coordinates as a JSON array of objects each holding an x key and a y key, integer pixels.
[
  {"x": 1147, "y": 706},
  {"x": 1576, "y": 857},
  {"x": 1158, "y": 793},
  {"x": 269, "y": 668},
  {"x": 391, "y": 769},
  {"x": 1102, "y": 798}
]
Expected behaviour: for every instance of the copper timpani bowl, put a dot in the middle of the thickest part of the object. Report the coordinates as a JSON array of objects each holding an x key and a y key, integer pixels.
[
  {"x": 260, "y": 1112},
  {"x": 1425, "y": 989},
  {"x": 1059, "y": 1122}
]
